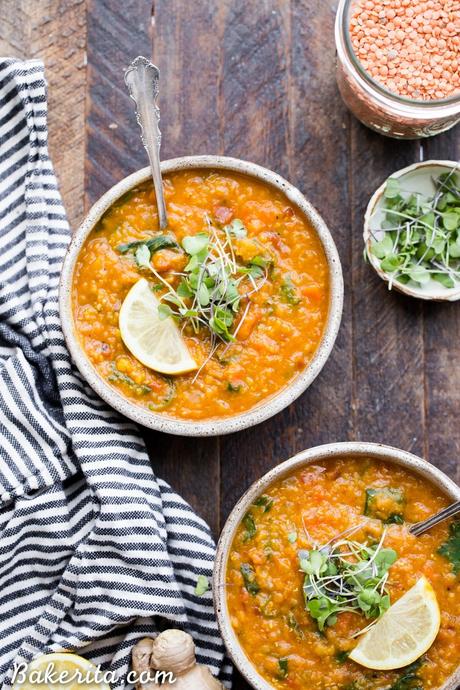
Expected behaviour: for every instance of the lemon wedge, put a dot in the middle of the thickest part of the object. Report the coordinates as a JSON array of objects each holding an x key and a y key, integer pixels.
[
  {"x": 155, "y": 342},
  {"x": 47, "y": 672},
  {"x": 403, "y": 633}
]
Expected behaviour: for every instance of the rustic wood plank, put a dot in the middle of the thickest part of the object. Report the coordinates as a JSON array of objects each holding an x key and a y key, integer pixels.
[
  {"x": 15, "y": 29},
  {"x": 256, "y": 81},
  {"x": 192, "y": 467},
  {"x": 319, "y": 160},
  {"x": 186, "y": 49},
  {"x": 388, "y": 376},
  {"x": 281, "y": 109},
  {"x": 253, "y": 103},
  {"x": 186, "y": 43},
  {"x": 253, "y": 117},
  {"x": 117, "y": 33},
  {"x": 55, "y": 32},
  {"x": 442, "y": 338},
  {"x": 114, "y": 150},
  {"x": 291, "y": 85}
]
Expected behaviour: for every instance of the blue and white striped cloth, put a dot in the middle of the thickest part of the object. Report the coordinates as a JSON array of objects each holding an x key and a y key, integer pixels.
[{"x": 95, "y": 551}]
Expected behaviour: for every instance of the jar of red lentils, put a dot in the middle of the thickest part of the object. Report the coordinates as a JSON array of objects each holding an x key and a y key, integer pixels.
[{"x": 398, "y": 64}]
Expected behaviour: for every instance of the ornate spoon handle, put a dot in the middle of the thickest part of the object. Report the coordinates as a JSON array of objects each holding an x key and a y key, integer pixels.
[
  {"x": 420, "y": 527},
  {"x": 142, "y": 79}
]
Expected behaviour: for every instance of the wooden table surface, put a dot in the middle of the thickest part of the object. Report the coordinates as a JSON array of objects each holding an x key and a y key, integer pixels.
[{"x": 255, "y": 79}]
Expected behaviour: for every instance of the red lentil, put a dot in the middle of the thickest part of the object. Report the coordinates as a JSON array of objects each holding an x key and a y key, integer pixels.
[{"x": 420, "y": 43}]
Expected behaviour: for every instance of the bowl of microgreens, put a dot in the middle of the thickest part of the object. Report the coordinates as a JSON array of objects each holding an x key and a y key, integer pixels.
[{"x": 412, "y": 231}]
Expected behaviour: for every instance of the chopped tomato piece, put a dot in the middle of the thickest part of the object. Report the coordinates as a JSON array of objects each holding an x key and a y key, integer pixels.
[{"x": 223, "y": 214}]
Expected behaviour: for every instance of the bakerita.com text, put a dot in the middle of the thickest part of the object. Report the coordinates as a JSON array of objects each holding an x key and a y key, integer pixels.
[{"x": 51, "y": 676}]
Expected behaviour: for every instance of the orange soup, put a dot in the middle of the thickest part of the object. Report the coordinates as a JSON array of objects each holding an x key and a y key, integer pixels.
[
  {"x": 239, "y": 269},
  {"x": 273, "y": 609}
]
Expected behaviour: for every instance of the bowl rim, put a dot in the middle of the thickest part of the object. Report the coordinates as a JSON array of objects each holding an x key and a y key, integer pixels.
[
  {"x": 419, "y": 293},
  {"x": 271, "y": 405},
  {"x": 347, "y": 449}
]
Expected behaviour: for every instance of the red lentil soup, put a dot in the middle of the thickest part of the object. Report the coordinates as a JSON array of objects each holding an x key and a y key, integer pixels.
[
  {"x": 277, "y": 327},
  {"x": 265, "y": 584}
]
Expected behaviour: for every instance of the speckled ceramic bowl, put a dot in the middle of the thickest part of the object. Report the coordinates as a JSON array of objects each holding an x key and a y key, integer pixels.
[
  {"x": 268, "y": 407},
  {"x": 414, "y": 177},
  {"x": 306, "y": 457}
]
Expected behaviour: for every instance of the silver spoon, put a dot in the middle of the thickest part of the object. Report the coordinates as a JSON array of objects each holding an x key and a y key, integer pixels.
[
  {"x": 420, "y": 527},
  {"x": 142, "y": 79}
]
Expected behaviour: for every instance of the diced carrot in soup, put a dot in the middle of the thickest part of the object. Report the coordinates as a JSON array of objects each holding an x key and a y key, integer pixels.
[{"x": 168, "y": 260}]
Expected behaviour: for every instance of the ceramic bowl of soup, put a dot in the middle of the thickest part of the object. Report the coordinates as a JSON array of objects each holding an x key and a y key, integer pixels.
[
  {"x": 248, "y": 272},
  {"x": 359, "y": 498}
]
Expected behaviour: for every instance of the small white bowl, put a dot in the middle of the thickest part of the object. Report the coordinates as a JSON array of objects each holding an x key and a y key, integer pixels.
[
  {"x": 376, "y": 451},
  {"x": 268, "y": 407},
  {"x": 417, "y": 177}
]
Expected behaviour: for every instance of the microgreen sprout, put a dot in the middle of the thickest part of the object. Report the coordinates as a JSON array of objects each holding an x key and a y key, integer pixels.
[
  {"x": 346, "y": 575},
  {"x": 419, "y": 238},
  {"x": 213, "y": 287},
  {"x": 249, "y": 579},
  {"x": 202, "y": 585}
]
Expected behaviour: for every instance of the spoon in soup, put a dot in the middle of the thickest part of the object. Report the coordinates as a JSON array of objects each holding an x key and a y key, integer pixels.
[
  {"x": 142, "y": 79},
  {"x": 419, "y": 528}
]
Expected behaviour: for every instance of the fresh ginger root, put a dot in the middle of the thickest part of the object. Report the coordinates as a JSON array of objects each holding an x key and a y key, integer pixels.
[
  {"x": 174, "y": 651},
  {"x": 141, "y": 662}
]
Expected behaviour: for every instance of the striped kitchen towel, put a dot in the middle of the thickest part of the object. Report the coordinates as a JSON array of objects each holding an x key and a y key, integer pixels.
[{"x": 95, "y": 551}]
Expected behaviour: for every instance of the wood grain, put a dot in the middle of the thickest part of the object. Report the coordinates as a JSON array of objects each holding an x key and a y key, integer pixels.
[
  {"x": 319, "y": 166},
  {"x": 253, "y": 106},
  {"x": 275, "y": 116},
  {"x": 388, "y": 380},
  {"x": 186, "y": 49},
  {"x": 15, "y": 29},
  {"x": 442, "y": 338},
  {"x": 114, "y": 150},
  {"x": 117, "y": 33},
  {"x": 312, "y": 151},
  {"x": 55, "y": 32},
  {"x": 256, "y": 81}
]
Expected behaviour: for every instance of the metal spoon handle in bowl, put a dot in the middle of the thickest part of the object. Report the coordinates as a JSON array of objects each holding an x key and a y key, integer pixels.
[
  {"x": 420, "y": 527},
  {"x": 142, "y": 79}
]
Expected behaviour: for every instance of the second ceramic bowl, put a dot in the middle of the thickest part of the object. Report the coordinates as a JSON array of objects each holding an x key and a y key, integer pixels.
[
  {"x": 268, "y": 407},
  {"x": 313, "y": 455}
]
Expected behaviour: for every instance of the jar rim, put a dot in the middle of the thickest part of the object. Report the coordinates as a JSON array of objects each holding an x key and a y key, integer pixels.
[{"x": 343, "y": 13}]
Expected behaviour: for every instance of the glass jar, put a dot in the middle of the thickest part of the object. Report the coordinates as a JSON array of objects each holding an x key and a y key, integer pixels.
[{"x": 376, "y": 107}]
